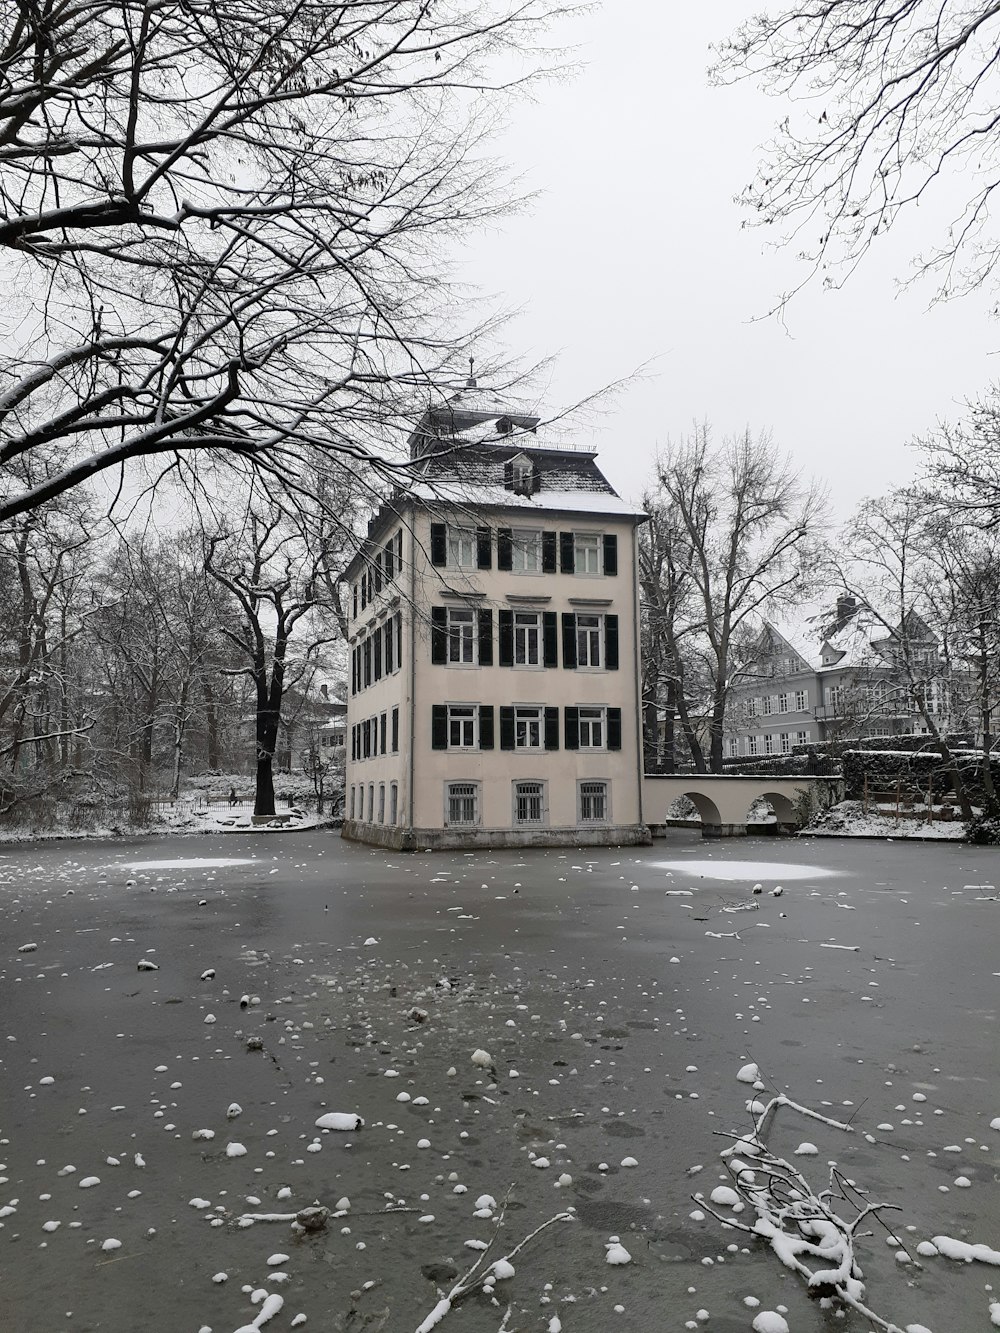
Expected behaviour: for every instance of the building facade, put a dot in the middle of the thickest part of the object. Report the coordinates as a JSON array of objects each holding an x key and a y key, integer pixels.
[
  {"x": 849, "y": 685},
  {"x": 494, "y": 688}
]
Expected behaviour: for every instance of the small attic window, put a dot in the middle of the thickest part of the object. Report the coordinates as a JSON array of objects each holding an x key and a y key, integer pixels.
[{"x": 521, "y": 475}]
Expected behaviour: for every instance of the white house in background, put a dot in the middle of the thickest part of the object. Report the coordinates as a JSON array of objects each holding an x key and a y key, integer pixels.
[{"x": 494, "y": 663}]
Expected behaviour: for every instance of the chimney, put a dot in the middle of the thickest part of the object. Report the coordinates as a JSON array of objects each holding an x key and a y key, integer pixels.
[
  {"x": 846, "y": 607},
  {"x": 325, "y": 692}
]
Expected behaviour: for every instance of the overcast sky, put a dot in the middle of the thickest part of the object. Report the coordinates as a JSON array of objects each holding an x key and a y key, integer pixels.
[{"x": 635, "y": 251}]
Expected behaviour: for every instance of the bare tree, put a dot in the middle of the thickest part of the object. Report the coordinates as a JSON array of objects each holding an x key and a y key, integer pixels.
[
  {"x": 886, "y": 106},
  {"x": 885, "y": 565},
  {"x": 222, "y": 225},
  {"x": 667, "y": 589},
  {"x": 752, "y": 527},
  {"x": 276, "y": 571}
]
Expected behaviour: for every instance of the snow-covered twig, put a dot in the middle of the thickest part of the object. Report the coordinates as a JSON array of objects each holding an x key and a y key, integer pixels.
[
  {"x": 800, "y": 1224},
  {"x": 470, "y": 1282}
]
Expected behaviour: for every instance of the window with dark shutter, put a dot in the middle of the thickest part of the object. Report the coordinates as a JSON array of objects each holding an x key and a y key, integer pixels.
[
  {"x": 399, "y": 639},
  {"x": 485, "y": 637},
  {"x": 506, "y": 636},
  {"x": 571, "y": 728},
  {"x": 614, "y": 728},
  {"x": 567, "y": 561},
  {"x": 505, "y": 547},
  {"x": 569, "y": 638},
  {"x": 611, "y": 642},
  {"x": 395, "y": 731},
  {"x": 552, "y": 728},
  {"x": 439, "y": 634},
  {"x": 439, "y": 726},
  {"x": 377, "y": 655},
  {"x": 550, "y": 639},
  {"x": 486, "y": 727},
  {"x": 399, "y": 551},
  {"x": 389, "y": 560},
  {"x": 381, "y": 731},
  {"x": 387, "y": 635},
  {"x": 439, "y": 545},
  {"x": 548, "y": 552},
  {"x": 484, "y": 548},
  {"x": 354, "y": 601},
  {"x": 378, "y": 575},
  {"x": 506, "y": 727},
  {"x": 610, "y": 553},
  {"x": 368, "y": 662}
]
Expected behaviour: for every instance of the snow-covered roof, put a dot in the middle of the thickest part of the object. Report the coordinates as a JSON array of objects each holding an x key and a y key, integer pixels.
[{"x": 550, "y": 500}]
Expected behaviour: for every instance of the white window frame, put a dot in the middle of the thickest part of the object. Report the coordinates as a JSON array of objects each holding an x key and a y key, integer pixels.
[
  {"x": 768, "y": 705},
  {"x": 532, "y": 718},
  {"x": 587, "y": 552},
  {"x": 801, "y": 700},
  {"x": 734, "y": 747},
  {"x": 462, "y": 633},
  {"x": 461, "y": 547},
  {"x": 460, "y": 790},
  {"x": 591, "y": 717},
  {"x": 526, "y": 551},
  {"x": 527, "y": 637},
  {"x": 769, "y": 743},
  {"x": 752, "y": 745},
  {"x": 785, "y": 743},
  {"x": 465, "y": 717},
  {"x": 586, "y": 793},
  {"x": 783, "y": 703},
  {"x": 591, "y": 636},
  {"x": 535, "y": 792}
]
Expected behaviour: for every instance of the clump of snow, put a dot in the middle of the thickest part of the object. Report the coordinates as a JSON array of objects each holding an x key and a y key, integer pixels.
[
  {"x": 235, "y": 1150},
  {"x": 111, "y": 1244},
  {"x": 616, "y": 1252},
  {"x": 724, "y": 1196},
  {"x": 88, "y": 1182},
  {"x": 482, "y": 1059},
  {"x": 961, "y": 1250},
  {"x": 769, "y": 1321},
  {"x": 503, "y": 1270},
  {"x": 806, "y": 1150},
  {"x": 345, "y": 1122},
  {"x": 749, "y": 1073}
]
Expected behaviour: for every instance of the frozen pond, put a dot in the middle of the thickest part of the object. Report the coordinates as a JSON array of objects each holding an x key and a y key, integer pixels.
[{"x": 559, "y": 1030}]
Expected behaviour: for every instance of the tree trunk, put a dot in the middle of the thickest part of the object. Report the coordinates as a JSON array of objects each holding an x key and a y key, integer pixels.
[{"x": 214, "y": 749}]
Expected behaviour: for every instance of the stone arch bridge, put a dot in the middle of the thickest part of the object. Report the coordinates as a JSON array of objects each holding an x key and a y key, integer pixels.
[{"x": 723, "y": 800}]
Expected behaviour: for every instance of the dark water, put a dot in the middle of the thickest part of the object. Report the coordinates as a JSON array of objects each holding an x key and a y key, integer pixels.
[{"x": 617, "y": 1000}]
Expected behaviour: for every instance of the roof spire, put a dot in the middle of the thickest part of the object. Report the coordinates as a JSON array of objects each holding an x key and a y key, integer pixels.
[{"x": 470, "y": 383}]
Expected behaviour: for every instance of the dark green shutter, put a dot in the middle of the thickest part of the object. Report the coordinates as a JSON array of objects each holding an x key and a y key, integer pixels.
[
  {"x": 548, "y": 552},
  {"x": 569, "y": 638},
  {"x": 484, "y": 548},
  {"x": 567, "y": 559},
  {"x": 506, "y": 727},
  {"x": 389, "y": 557},
  {"x": 610, "y": 553},
  {"x": 378, "y": 574},
  {"x": 552, "y": 728},
  {"x": 571, "y": 728},
  {"x": 439, "y": 634},
  {"x": 439, "y": 545},
  {"x": 485, "y": 637},
  {"x": 439, "y": 726},
  {"x": 614, "y": 728},
  {"x": 550, "y": 639},
  {"x": 506, "y": 636},
  {"x": 486, "y": 726},
  {"x": 611, "y": 642},
  {"x": 504, "y": 548},
  {"x": 395, "y": 731}
]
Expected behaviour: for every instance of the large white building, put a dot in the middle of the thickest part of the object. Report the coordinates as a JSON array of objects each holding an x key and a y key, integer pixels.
[{"x": 494, "y": 655}]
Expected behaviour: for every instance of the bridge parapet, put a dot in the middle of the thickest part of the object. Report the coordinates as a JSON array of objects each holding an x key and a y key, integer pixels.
[{"x": 723, "y": 800}]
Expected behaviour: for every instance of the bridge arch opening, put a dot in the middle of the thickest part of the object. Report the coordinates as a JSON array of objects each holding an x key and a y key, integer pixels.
[
  {"x": 777, "y": 804},
  {"x": 706, "y": 807}
]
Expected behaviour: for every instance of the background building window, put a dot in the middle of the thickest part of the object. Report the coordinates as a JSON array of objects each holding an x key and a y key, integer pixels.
[
  {"x": 593, "y": 802},
  {"x": 462, "y": 802},
  {"x": 769, "y": 744},
  {"x": 381, "y": 802},
  {"x": 528, "y": 802},
  {"x": 785, "y": 742},
  {"x": 393, "y": 802},
  {"x": 801, "y": 700},
  {"x": 751, "y": 745},
  {"x": 782, "y": 703},
  {"x": 802, "y": 738}
]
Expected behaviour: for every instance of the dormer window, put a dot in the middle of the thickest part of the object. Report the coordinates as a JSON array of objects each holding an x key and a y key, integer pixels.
[{"x": 521, "y": 475}]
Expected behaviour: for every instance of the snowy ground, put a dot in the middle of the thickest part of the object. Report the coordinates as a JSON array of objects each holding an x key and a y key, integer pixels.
[
  {"x": 850, "y": 819},
  {"x": 185, "y": 817},
  {"x": 616, "y": 996}
]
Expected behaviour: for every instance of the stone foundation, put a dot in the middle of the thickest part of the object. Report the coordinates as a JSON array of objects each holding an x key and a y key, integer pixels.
[{"x": 410, "y": 840}]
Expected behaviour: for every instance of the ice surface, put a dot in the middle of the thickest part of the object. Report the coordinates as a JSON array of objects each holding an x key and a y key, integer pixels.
[{"x": 732, "y": 870}]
